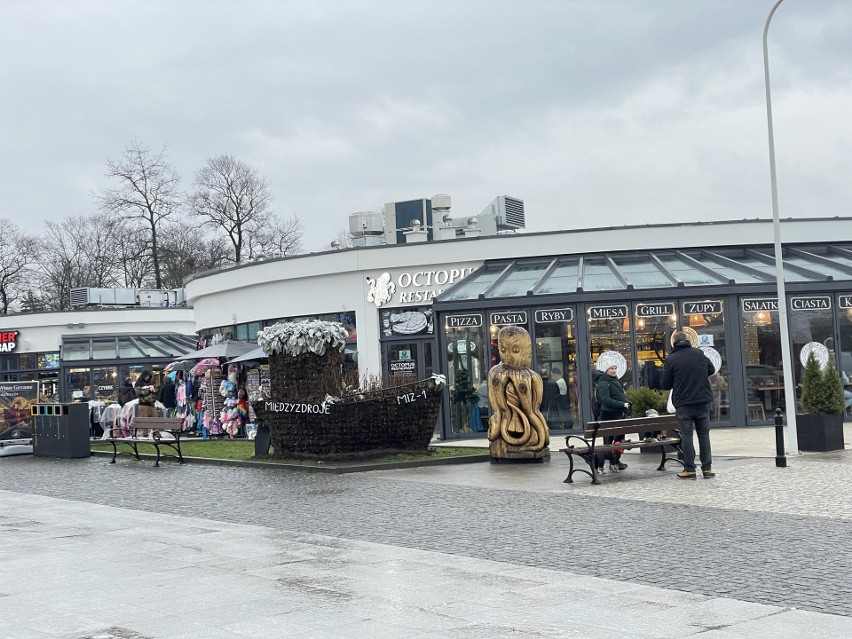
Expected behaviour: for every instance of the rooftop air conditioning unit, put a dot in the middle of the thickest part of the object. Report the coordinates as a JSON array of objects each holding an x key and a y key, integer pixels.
[
  {"x": 508, "y": 213},
  {"x": 102, "y": 297},
  {"x": 366, "y": 223}
]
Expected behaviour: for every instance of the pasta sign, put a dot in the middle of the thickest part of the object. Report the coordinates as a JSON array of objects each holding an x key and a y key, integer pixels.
[{"x": 8, "y": 341}]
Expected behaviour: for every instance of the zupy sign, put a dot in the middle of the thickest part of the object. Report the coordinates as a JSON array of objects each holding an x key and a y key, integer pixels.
[{"x": 702, "y": 308}]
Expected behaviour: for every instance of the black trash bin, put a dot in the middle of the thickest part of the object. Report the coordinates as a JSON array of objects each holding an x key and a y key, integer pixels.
[{"x": 61, "y": 430}]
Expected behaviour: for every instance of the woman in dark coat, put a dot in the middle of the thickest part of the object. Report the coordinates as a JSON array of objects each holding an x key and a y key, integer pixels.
[
  {"x": 613, "y": 404},
  {"x": 126, "y": 393}
]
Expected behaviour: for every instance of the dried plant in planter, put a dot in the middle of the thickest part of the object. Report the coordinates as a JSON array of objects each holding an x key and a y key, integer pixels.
[{"x": 311, "y": 412}]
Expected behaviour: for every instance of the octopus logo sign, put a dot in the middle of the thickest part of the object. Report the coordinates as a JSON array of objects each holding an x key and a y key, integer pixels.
[{"x": 381, "y": 289}]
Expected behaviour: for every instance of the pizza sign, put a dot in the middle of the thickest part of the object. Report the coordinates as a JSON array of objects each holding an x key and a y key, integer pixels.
[{"x": 8, "y": 341}]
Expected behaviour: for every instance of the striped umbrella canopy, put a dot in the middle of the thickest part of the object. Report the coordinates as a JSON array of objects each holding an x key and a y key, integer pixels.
[{"x": 205, "y": 365}]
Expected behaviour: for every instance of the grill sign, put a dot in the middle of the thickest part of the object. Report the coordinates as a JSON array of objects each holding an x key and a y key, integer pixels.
[{"x": 654, "y": 310}]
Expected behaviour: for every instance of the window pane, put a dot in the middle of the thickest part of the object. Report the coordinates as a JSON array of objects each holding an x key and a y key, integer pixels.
[
  {"x": 685, "y": 272},
  {"x": 643, "y": 273},
  {"x": 556, "y": 357},
  {"x": 471, "y": 288},
  {"x": 520, "y": 280},
  {"x": 103, "y": 349},
  {"x": 598, "y": 276},
  {"x": 128, "y": 350},
  {"x": 764, "y": 371},
  {"x": 562, "y": 280},
  {"x": 75, "y": 351}
]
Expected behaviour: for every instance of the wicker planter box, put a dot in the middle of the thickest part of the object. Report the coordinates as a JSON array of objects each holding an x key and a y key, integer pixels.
[{"x": 303, "y": 424}]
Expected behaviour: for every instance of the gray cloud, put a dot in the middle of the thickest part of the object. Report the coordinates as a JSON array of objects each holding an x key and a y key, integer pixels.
[{"x": 593, "y": 112}]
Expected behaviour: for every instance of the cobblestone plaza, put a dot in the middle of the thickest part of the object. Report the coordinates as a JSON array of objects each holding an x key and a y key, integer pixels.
[{"x": 202, "y": 551}]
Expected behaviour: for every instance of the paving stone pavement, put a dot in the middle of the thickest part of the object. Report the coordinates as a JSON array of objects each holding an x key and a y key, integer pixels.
[{"x": 135, "y": 552}]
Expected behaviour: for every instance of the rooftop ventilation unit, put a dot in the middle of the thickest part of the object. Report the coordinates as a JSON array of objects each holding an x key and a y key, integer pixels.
[
  {"x": 366, "y": 223},
  {"x": 508, "y": 213}
]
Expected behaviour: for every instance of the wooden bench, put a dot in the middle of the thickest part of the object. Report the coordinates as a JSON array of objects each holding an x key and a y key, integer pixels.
[
  {"x": 158, "y": 426},
  {"x": 587, "y": 446}
]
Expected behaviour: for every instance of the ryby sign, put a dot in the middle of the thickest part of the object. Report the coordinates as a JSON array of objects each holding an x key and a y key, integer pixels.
[
  {"x": 413, "y": 287},
  {"x": 8, "y": 341}
]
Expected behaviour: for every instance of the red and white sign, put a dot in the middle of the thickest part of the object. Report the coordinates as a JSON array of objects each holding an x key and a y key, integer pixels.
[{"x": 8, "y": 341}]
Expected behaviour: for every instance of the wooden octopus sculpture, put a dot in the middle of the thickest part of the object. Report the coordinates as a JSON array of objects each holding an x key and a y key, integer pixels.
[{"x": 516, "y": 429}]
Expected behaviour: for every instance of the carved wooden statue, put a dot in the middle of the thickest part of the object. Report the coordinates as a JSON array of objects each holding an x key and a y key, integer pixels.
[{"x": 516, "y": 429}]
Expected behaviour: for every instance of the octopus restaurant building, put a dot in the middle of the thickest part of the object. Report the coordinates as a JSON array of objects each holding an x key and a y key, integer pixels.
[{"x": 617, "y": 293}]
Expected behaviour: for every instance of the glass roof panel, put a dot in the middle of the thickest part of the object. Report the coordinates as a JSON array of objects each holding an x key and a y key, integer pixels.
[
  {"x": 685, "y": 272},
  {"x": 642, "y": 273},
  {"x": 520, "y": 279},
  {"x": 128, "y": 350},
  {"x": 598, "y": 276},
  {"x": 804, "y": 262},
  {"x": 473, "y": 285},
  {"x": 103, "y": 349},
  {"x": 563, "y": 279},
  {"x": 75, "y": 351}
]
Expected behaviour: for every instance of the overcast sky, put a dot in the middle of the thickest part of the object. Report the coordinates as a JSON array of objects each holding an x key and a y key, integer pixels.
[{"x": 594, "y": 112}]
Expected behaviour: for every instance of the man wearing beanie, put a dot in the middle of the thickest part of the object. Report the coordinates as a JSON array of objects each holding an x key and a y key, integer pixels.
[{"x": 687, "y": 372}]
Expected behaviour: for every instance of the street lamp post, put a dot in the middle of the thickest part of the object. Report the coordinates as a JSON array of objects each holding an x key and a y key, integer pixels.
[{"x": 786, "y": 356}]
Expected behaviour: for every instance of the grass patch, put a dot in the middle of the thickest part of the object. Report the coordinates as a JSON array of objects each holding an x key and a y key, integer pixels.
[{"x": 243, "y": 450}]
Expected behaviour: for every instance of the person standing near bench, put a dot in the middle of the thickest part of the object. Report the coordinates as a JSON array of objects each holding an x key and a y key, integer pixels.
[
  {"x": 686, "y": 373},
  {"x": 147, "y": 397},
  {"x": 613, "y": 403}
]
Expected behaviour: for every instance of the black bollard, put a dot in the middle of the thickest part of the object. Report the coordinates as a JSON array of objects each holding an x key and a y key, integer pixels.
[{"x": 780, "y": 459}]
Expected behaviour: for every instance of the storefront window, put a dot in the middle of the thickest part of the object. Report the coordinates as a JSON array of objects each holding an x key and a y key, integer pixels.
[
  {"x": 654, "y": 324},
  {"x": 844, "y": 356},
  {"x": 811, "y": 321},
  {"x": 77, "y": 384},
  {"x": 764, "y": 370},
  {"x": 106, "y": 383},
  {"x": 9, "y": 362},
  {"x": 707, "y": 319},
  {"x": 48, "y": 387},
  {"x": 556, "y": 356},
  {"x": 27, "y": 361},
  {"x": 609, "y": 330},
  {"x": 465, "y": 344},
  {"x": 242, "y": 332},
  {"x": 72, "y": 351},
  {"x": 496, "y": 321}
]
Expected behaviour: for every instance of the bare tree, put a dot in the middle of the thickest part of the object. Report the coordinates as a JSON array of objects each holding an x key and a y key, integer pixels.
[
  {"x": 232, "y": 197},
  {"x": 147, "y": 190},
  {"x": 16, "y": 252},
  {"x": 79, "y": 252},
  {"x": 274, "y": 236},
  {"x": 185, "y": 251}
]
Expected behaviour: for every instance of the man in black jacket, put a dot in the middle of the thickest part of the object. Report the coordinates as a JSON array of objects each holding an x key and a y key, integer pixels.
[{"x": 687, "y": 373}]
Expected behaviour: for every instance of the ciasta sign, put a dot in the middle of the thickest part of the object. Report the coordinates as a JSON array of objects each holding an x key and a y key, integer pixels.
[
  {"x": 413, "y": 287},
  {"x": 8, "y": 341}
]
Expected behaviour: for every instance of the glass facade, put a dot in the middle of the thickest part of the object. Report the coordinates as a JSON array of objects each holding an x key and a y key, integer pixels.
[{"x": 628, "y": 305}]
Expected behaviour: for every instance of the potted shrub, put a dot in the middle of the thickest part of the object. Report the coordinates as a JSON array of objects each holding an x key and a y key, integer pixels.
[
  {"x": 642, "y": 399},
  {"x": 821, "y": 427}
]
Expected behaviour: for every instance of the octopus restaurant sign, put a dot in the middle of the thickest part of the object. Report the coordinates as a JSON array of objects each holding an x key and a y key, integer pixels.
[{"x": 413, "y": 287}]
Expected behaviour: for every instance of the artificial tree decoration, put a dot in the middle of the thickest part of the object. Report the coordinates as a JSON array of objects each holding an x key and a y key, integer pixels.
[
  {"x": 463, "y": 396},
  {"x": 821, "y": 427},
  {"x": 822, "y": 390}
]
